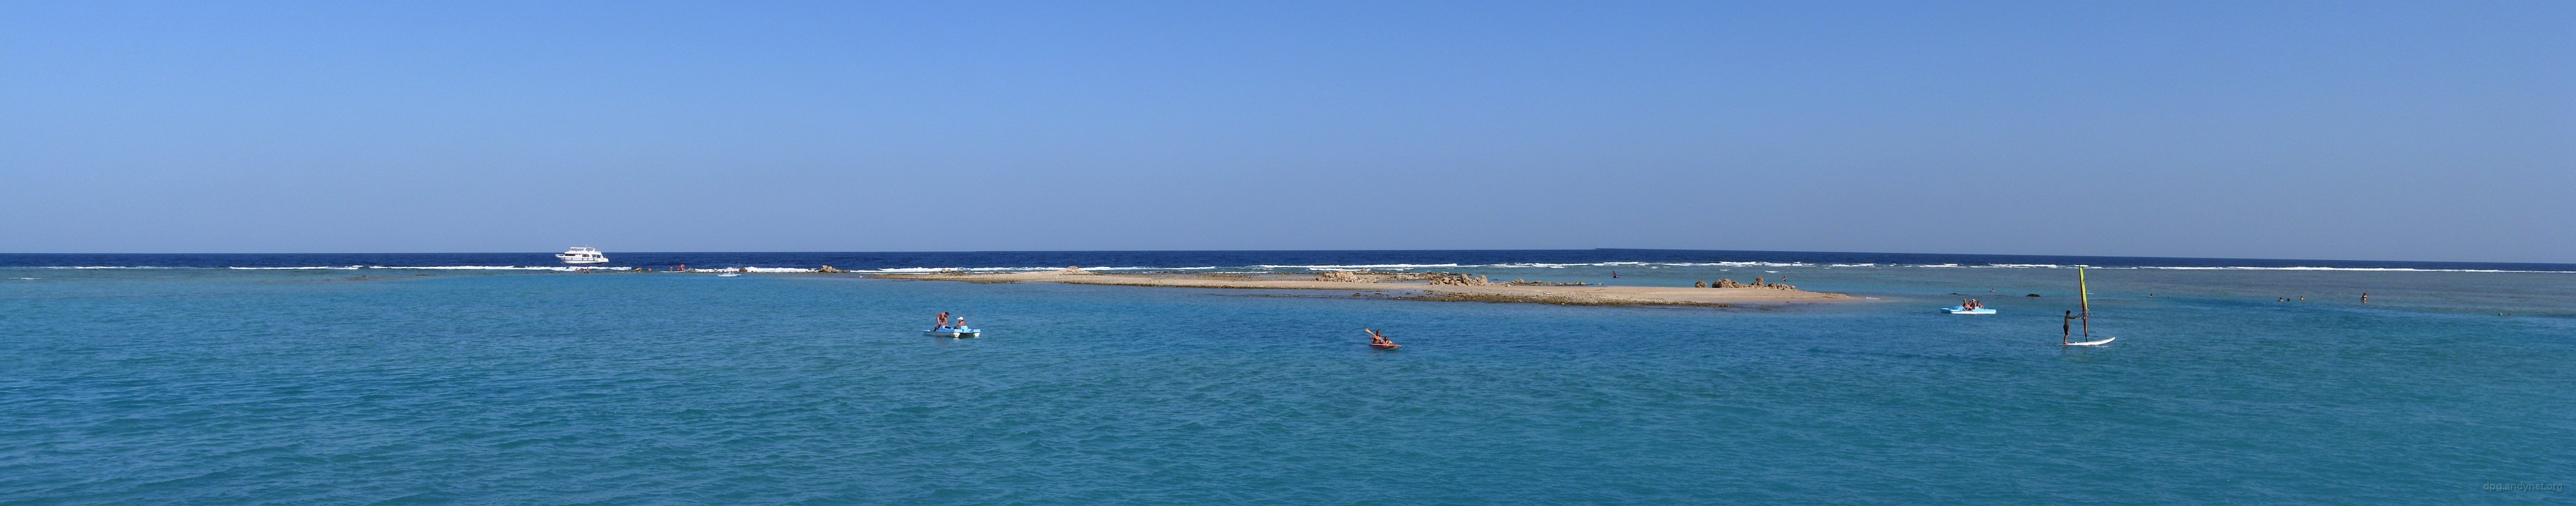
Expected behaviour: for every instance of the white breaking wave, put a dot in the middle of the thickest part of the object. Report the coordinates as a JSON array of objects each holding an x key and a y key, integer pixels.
[
  {"x": 1542, "y": 265},
  {"x": 2361, "y": 269},
  {"x": 501, "y": 268},
  {"x": 1724, "y": 266},
  {"x": 1355, "y": 267},
  {"x": 914, "y": 270}
]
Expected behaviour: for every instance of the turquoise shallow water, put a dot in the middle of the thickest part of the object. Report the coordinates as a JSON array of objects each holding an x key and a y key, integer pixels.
[{"x": 217, "y": 386}]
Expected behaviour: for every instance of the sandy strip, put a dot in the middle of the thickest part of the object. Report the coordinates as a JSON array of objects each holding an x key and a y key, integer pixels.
[{"x": 1574, "y": 295}]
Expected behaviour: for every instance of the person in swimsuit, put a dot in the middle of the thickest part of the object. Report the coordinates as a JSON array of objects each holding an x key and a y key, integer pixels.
[
  {"x": 2068, "y": 328},
  {"x": 943, "y": 319},
  {"x": 1377, "y": 338}
]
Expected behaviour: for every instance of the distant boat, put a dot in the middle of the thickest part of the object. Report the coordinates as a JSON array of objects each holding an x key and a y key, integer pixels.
[
  {"x": 1965, "y": 310},
  {"x": 2084, "y": 293},
  {"x": 728, "y": 275},
  {"x": 956, "y": 332},
  {"x": 582, "y": 255}
]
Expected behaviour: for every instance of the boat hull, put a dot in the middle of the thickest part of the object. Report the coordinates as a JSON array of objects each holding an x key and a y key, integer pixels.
[
  {"x": 1961, "y": 310},
  {"x": 965, "y": 333}
]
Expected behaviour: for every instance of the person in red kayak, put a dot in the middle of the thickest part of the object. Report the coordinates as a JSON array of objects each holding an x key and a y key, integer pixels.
[
  {"x": 943, "y": 319},
  {"x": 1377, "y": 338}
]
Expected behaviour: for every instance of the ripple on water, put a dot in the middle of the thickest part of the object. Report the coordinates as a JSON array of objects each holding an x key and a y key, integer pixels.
[{"x": 655, "y": 389}]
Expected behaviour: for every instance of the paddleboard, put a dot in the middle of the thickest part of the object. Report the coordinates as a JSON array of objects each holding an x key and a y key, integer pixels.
[
  {"x": 2105, "y": 340},
  {"x": 960, "y": 333}
]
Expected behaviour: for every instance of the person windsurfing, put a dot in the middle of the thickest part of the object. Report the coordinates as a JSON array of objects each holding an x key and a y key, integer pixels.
[{"x": 2067, "y": 328}]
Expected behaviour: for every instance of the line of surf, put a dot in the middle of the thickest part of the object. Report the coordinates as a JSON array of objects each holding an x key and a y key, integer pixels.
[{"x": 1337, "y": 267}]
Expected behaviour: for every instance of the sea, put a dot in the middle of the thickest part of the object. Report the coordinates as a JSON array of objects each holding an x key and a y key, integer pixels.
[{"x": 508, "y": 378}]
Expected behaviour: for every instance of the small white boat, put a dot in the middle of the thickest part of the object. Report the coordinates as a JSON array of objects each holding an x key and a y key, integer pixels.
[
  {"x": 956, "y": 332},
  {"x": 728, "y": 274},
  {"x": 582, "y": 255},
  {"x": 1965, "y": 310}
]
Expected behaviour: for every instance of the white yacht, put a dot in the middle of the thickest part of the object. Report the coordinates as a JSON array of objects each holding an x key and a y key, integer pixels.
[{"x": 582, "y": 255}]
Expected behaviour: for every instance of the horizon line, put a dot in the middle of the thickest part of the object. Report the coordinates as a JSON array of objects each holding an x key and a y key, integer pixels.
[{"x": 1342, "y": 250}]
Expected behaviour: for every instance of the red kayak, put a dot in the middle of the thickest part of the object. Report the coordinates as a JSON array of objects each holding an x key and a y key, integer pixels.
[{"x": 1386, "y": 346}]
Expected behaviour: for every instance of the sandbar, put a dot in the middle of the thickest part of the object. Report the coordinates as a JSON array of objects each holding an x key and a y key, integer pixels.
[{"x": 1409, "y": 286}]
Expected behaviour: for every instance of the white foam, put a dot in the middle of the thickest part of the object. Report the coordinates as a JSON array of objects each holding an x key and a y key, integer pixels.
[
  {"x": 912, "y": 270},
  {"x": 483, "y": 268},
  {"x": 2356, "y": 269},
  {"x": 1355, "y": 267},
  {"x": 1723, "y": 266},
  {"x": 2218, "y": 268},
  {"x": 1742, "y": 264}
]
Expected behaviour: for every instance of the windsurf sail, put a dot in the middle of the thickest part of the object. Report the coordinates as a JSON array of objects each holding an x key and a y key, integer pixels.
[{"x": 2084, "y": 296}]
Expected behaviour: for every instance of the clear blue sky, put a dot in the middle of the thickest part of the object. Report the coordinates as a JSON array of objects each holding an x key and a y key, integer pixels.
[{"x": 2346, "y": 130}]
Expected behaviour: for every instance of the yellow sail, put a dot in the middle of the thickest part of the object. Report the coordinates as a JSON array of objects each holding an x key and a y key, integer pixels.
[{"x": 2084, "y": 293}]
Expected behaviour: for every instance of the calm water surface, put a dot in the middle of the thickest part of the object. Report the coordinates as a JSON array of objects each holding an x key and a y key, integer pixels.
[{"x": 225, "y": 386}]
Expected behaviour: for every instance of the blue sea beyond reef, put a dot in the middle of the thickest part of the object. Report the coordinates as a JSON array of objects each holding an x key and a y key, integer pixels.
[{"x": 503, "y": 379}]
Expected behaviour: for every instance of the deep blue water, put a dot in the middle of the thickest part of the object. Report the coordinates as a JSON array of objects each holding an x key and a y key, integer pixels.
[{"x": 211, "y": 385}]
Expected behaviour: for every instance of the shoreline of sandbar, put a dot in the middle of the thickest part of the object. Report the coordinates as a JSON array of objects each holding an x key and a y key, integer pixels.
[{"x": 1588, "y": 295}]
